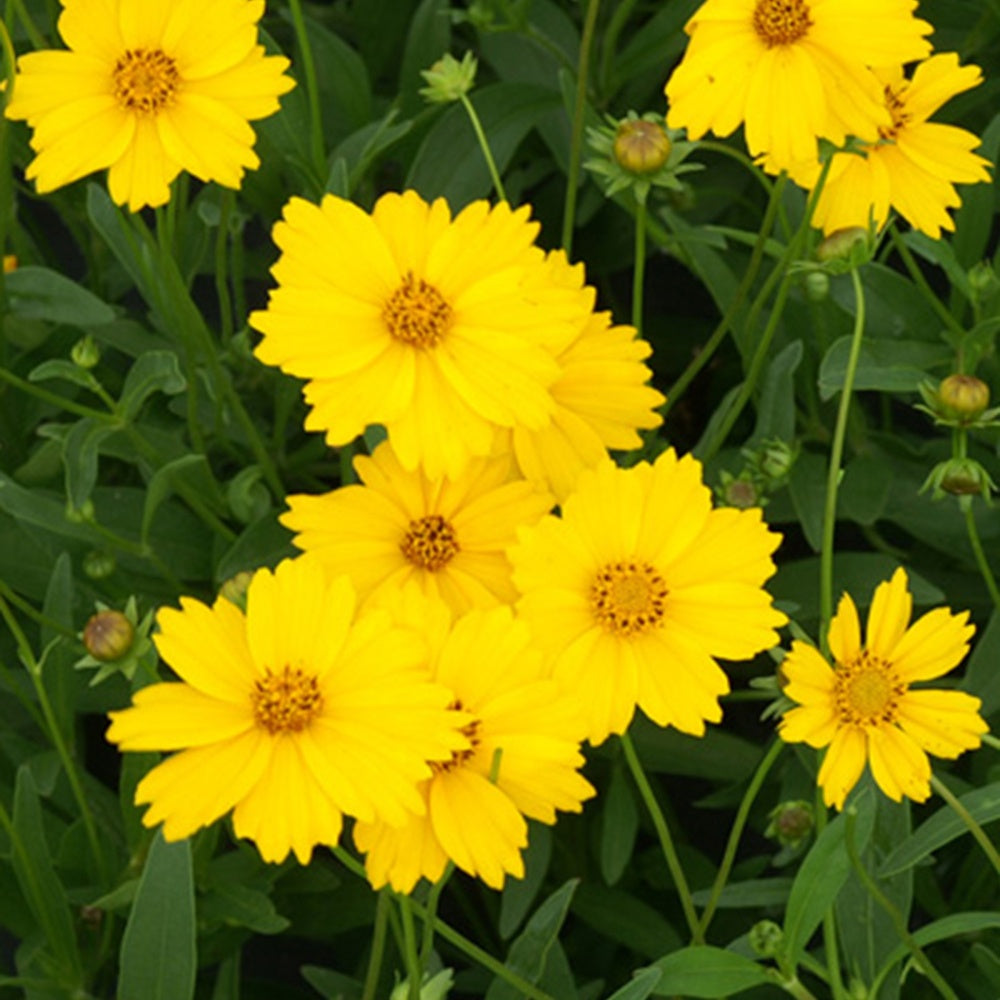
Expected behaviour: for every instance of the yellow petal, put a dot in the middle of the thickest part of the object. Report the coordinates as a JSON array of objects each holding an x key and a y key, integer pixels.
[
  {"x": 842, "y": 765},
  {"x": 889, "y": 615}
]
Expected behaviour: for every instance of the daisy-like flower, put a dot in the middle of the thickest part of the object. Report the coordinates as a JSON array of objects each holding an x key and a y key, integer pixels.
[
  {"x": 147, "y": 89},
  {"x": 290, "y": 715},
  {"x": 917, "y": 163},
  {"x": 523, "y": 757},
  {"x": 448, "y": 535},
  {"x": 864, "y": 708},
  {"x": 601, "y": 400},
  {"x": 791, "y": 71},
  {"x": 639, "y": 586},
  {"x": 441, "y": 329}
]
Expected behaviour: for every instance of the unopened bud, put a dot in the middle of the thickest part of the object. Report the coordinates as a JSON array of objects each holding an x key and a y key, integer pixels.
[
  {"x": 963, "y": 396},
  {"x": 235, "y": 589},
  {"x": 983, "y": 280},
  {"x": 790, "y": 823},
  {"x": 641, "y": 146},
  {"x": 845, "y": 250},
  {"x": 740, "y": 493},
  {"x": 108, "y": 635},
  {"x": 98, "y": 565},
  {"x": 448, "y": 79},
  {"x": 765, "y": 938},
  {"x": 84, "y": 514},
  {"x": 85, "y": 353},
  {"x": 961, "y": 477},
  {"x": 777, "y": 458},
  {"x": 817, "y": 286}
]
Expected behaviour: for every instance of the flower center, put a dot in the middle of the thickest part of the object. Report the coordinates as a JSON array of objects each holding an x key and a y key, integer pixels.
[
  {"x": 417, "y": 313},
  {"x": 897, "y": 112},
  {"x": 145, "y": 80},
  {"x": 628, "y": 597},
  {"x": 867, "y": 691},
  {"x": 459, "y": 757},
  {"x": 430, "y": 542},
  {"x": 285, "y": 702},
  {"x": 781, "y": 22}
]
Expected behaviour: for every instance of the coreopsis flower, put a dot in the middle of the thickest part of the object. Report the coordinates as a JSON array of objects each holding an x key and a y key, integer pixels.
[
  {"x": 601, "y": 400},
  {"x": 865, "y": 708},
  {"x": 914, "y": 166},
  {"x": 440, "y": 329},
  {"x": 290, "y": 715},
  {"x": 148, "y": 88},
  {"x": 791, "y": 71},
  {"x": 448, "y": 535},
  {"x": 523, "y": 757},
  {"x": 639, "y": 586}
]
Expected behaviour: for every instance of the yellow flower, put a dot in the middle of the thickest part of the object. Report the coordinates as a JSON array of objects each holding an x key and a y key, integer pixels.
[
  {"x": 915, "y": 165},
  {"x": 290, "y": 715},
  {"x": 865, "y": 709},
  {"x": 441, "y": 329},
  {"x": 448, "y": 535},
  {"x": 147, "y": 89},
  {"x": 791, "y": 71},
  {"x": 639, "y": 585},
  {"x": 601, "y": 399},
  {"x": 523, "y": 757}
]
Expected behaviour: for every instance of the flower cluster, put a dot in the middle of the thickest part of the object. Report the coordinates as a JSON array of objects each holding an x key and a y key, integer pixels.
[{"x": 795, "y": 72}]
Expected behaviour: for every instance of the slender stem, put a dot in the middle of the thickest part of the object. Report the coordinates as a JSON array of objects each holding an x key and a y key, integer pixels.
[
  {"x": 725, "y": 323},
  {"x": 834, "y": 977},
  {"x": 312, "y": 93},
  {"x": 792, "y": 986},
  {"x": 576, "y": 135},
  {"x": 32, "y": 612},
  {"x": 982, "y": 562},
  {"x": 414, "y": 972},
  {"x": 639, "y": 270},
  {"x": 833, "y": 473},
  {"x": 922, "y": 961},
  {"x": 378, "y": 946},
  {"x": 609, "y": 40},
  {"x": 666, "y": 841},
  {"x": 969, "y": 820},
  {"x": 427, "y": 942},
  {"x": 913, "y": 269},
  {"x": 37, "y": 38},
  {"x": 990, "y": 741},
  {"x": 69, "y": 405},
  {"x": 740, "y": 157},
  {"x": 739, "y": 822},
  {"x": 221, "y": 268},
  {"x": 477, "y": 127}
]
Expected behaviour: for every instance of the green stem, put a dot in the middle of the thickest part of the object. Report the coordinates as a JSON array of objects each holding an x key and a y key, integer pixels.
[
  {"x": 477, "y": 127},
  {"x": 913, "y": 268},
  {"x": 834, "y": 978},
  {"x": 69, "y": 405},
  {"x": 414, "y": 973},
  {"x": 920, "y": 959},
  {"x": 639, "y": 271},
  {"x": 434, "y": 896},
  {"x": 576, "y": 135},
  {"x": 37, "y": 38},
  {"x": 741, "y": 158},
  {"x": 378, "y": 946},
  {"x": 982, "y": 562},
  {"x": 833, "y": 473},
  {"x": 312, "y": 93},
  {"x": 969, "y": 820},
  {"x": 729, "y": 856},
  {"x": 221, "y": 268},
  {"x": 609, "y": 41},
  {"x": 990, "y": 741},
  {"x": 666, "y": 841},
  {"x": 725, "y": 323},
  {"x": 32, "y": 612}
]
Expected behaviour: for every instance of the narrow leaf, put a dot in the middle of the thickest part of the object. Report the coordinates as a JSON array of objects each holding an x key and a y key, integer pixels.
[{"x": 706, "y": 972}]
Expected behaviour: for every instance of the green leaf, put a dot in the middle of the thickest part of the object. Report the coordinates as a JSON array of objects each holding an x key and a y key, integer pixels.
[
  {"x": 240, "y": 906},
  {"x": 619, "y": 825},
  {"x": 942, "y": 828},
  {"x": 705, "y": 971},
  {"x": 888, "y": 365},
  {"x": 891, "y": 306},
  {"x": 429, "y": 38},
  {"x": 62, "y": 369},
  {"x": 330, "y": 984},
  {"x": 807, "y": 489},
  {"x": 751, "y": 893},
  {"x": 156, "y": 371},
  {"x": 718, "y": 755},
  {"x": 982, "y": 678},
  {"x": 165, "y": 481},
  {"x": 158, "y": 960},
  {"x": 619, "y": 916},
  {"x": 642, "y": 985},
  {"x": 529, "y": 952},
  {"x": 80, "y": 450},
  {"x": 450, "y": 163},
  {"x": 264, "y": 543},
  {"x": 776, "y": 410},
  {"x": 519, "y": 893},
  {"x": 820, "y": 877},
  {"x": 38, "y": 293},
  {"x": 864, "y": 490},
  {"x": 974, "y": 220}
]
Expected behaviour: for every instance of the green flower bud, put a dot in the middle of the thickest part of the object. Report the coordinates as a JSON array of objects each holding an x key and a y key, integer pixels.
[
  {"x": 963, "y": 397},
  {"x": 790, "y": 823},
  {"x": 83, "y": 514},
  {"x": 98, "y": 565},
  {"x": 777, "y": 458},
  {"x": 817, "y": 286},
  {"x": 960, "y": 477},
  {"x": 433, "y": 988},
  {"x": 738, "y": 491},
  {"x": 846, "y": 250},
  {"x": 765, "y": 938},
  {"x": 108, "y": 635},
  {"x": 641, "y": 146},
  {"x": 448, "y": 79},
  {"x": 235, "y": 589},
  {"x": 983, "y": 280},
  {"x": 85, "y": 353}
]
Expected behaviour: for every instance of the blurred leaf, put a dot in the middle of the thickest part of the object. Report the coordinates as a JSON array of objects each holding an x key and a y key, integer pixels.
[
  {"x": 331, "y": 985},
  {"x": 982, "y": 678},
  {"x": 718, "y": 755},
  {"x": 888, "y": 365},
  {"x": 428, "y": 39},
  {"x": 158, "y": 960},
  {"x": 264, "y": 543},
  {"x": 62, "y": 369},
  {"x": 189, "y": 469},
  {"x": 155, "y": 371},
  {"x": 942, "y": 828},
  {"x": 705, "y": 971},
  {"x": 641, "y": 986},
  {"x": 619, "y": 916},
  {"x": 343, "y": 81},
  {"x": 519, "y": 893},
  {"x": 619, "y": 825},
  {"x": 38, "y": 293},
  {"x": 753, "y": 892},
  {"x": 864, "y": 489},
  {"x": 974, "y": 220},
  {"x": 776, "y": 409},
  {"x": 807, "y": 488},
  {"x": 892, "y": 306},
  {"x": 240, "y": 906},
  {"x": 528, "y": 954},
  {"x": 80, "y": 450}
]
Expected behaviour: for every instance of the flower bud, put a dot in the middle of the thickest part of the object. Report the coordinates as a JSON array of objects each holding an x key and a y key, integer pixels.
[
  {"x": 641, "y": 146},
  {"x": 765, "y": 938},
  {"x": 846, "y": 250},
  {"x": 963, "y": 396},
  {"x": 84, "y": 514},
  {"x": 108, "y": 635},
  {"x": 98, "y": 565},
  {"x": 9, "y": 263},
  {"x": 983, "y": 280},
  {"x": 960, "y": 477},
  {"x": 817, "y": 286},
  {"x": 85, "y": 353},
  {"x": 790, "y": 823},
  {"x": 448, "y": 79},
  {"x": 235, "y": 589},
  {"x": 776, "y": 459},
  {"x": 738, "y": 491}
]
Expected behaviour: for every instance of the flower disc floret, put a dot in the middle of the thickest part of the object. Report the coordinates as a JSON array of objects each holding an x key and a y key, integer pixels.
[{"x": 781, "y": 22}]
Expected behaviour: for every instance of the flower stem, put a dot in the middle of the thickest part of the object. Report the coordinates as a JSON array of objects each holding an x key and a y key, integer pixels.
[
  {"x": 913, "y": 268},
  {"x": 969, "y": 820},
  {"x": 432, "y": 904},
  {"x": 312, "y": 93},
  {"x": 982, "y": 562},
  {"x": 835, "y": 980},
  {"x": 833, "y": 473},
  {"x": 414, "y": 972},
  {"x": 576, "y": 135},
  {"x": 734, "y": 834},
  {"x": 639, "y": 270},
  {"x": 477, "y": 127},
  {"x": 920, "y": 959},
  {"x": 221, "y": 268},
  {"x": 378, "y": 946},
  {"x": 666, "y": 841}
]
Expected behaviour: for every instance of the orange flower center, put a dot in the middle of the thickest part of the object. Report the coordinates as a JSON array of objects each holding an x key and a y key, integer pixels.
[
  {"x": 430, "y": 542},
  {"x": 417, "y": 313},
  {"x": 781, "y": 22},
  {"x": 145, "y": 80},
  {"x": 897, "y": 112},
  {"x": 287, "y": 701},
  {"x": 628, "y": 597},
  {"x": 459, "y": 757},
  {"x": 867, "y": 691}
]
